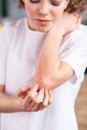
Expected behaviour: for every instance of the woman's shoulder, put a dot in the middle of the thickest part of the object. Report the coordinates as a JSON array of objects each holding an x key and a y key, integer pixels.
[
  {"x": 80, "y": 32},
  {"x": 78, "y": 37},
  {"x": 11, "y": 30},
  {"x": 14, "y": 25},
  {"x": 82, "y": 29}
]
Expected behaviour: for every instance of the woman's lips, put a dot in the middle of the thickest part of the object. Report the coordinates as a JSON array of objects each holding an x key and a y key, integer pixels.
[{"x": 43, "y": 22}]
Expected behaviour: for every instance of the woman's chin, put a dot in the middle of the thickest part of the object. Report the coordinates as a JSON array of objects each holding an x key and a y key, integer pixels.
[
  {"x": 43, "y": 29},
  {"x": 40, "y": 28}
]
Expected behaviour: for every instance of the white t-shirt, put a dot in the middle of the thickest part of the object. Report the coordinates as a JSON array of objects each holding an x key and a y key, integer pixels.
[{"x": 19, "y": 50}]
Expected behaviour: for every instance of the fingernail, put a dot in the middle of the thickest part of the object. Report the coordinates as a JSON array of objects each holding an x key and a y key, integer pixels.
[{"x": 36, "y": 85}]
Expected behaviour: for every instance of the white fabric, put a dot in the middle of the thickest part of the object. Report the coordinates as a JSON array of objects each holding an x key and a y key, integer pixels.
[{"x": 19, "y": 50}]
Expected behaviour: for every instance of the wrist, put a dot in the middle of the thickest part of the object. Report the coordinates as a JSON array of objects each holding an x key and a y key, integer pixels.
[
  {"x": 59, "y": 30},
  {"x": 19, "y": 106}
]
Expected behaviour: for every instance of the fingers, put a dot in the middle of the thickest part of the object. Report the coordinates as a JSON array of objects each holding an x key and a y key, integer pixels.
[
  {"x": 35, "y": 103},
  {"x": 79, "y": 20},
  {"x": 38, "y": 102},
  {"x": 50, "y": 96},
  {"x": 22, "y": 91},
  {"x": 30, "y": 96},
  {"x": 47, "y": 100},
  {"x": 33, "y": 91},
  {"x": 35, "y": 99}
]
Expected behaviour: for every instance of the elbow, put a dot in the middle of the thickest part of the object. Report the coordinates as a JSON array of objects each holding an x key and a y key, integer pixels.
[
  {"x": 53, "y": 81},
  {"x": 49, "y": 82}
]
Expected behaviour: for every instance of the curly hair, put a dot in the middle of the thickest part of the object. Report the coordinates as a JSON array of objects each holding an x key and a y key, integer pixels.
[{"x": 73, "y": 6}]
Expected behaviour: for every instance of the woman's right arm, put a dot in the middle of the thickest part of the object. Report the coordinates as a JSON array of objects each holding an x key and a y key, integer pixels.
[{"x": 8, "y": 103}]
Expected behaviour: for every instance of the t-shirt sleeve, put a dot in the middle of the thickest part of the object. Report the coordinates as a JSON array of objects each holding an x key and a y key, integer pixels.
[
  {"x": 75, "y": 54},
  {"x": 3, "y": 54}
]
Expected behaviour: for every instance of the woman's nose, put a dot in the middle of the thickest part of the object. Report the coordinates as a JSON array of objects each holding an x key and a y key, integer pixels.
[{"x": 43, "y": 9}]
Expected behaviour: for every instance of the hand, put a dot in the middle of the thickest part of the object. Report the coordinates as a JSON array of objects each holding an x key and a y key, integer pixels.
[
  {"x": 71, "y": 22},
  {"x": 47, "y": 100},
  {"x": 68, "y": 23},
  {"x": 22, "y": 92},
  {"x": 34, "y": 99}
]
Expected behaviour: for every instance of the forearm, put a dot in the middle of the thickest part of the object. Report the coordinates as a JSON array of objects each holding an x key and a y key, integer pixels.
[
  {"x": 61, "y": 75},
  {"x": 49, "y": 60},
  {"x": 50, "y": 71},
  {"x": 9, "y": 104}
]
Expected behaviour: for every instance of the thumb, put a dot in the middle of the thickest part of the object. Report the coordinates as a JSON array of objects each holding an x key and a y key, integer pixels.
[{"x": 23, "y": 90}]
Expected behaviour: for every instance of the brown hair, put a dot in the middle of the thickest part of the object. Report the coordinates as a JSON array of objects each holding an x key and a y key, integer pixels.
[{"x": 73, "y": 6}]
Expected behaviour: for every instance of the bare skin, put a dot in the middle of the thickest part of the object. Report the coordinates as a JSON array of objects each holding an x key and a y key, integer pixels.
[
  {"x": 22, "y": 103},
  {"x": 50, "y": 74},
  {"x": 51, "y": 71},
  {"x": 46, "y": 18},
  {"x": 40, "y": 95},
  {"x": 35, "y": 99}
]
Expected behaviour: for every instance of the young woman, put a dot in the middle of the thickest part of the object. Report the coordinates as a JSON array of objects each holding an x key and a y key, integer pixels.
[{"x": 42, "y": 54}]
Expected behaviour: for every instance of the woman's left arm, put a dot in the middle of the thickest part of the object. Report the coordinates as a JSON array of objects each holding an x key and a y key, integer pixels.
[{"x": 51, "y": 71}]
